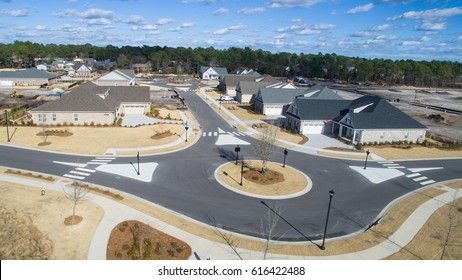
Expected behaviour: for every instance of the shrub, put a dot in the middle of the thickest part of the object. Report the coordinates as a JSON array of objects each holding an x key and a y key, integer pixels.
[{"x": 92, "y": 123}]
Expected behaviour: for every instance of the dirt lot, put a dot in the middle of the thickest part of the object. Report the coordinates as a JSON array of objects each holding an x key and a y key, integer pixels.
[{"x": 92, "y": 140}]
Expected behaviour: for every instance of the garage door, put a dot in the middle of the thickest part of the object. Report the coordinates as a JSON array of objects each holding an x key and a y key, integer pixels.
[
  {"x": 134, "y": 110},
  {"x": 273, "y": 110},
  {"x": 312, "y": 128}
]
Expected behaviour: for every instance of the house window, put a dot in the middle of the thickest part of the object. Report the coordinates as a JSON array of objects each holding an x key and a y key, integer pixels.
[
  {"x": 76, "y": 117},
  {"x": 53, "y": 117},
  {"x": 42, "y": 118}
]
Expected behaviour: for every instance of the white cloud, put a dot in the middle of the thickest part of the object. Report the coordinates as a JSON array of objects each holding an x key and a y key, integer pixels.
[
  {"x": 295, "y": 3},
  {"x": 308, "y": 32},
  {"x": 281, "y": 36},
  {"x": 40, "y": 27},
  {"x": 187, "y": 25},
  {"x": 429, "y": 26},
  {"x": 251, "y": 11},
  {"x": 163, "y": 21},
  {"x": 15, "y": 13},
  {"x": 361, "y": 9},
  {"x": 239, "y": 26},
  {"x": 363, "y": 34},
  {"x": 135, "y": 19},
  {"x": 221, "y": 11},
  {"x": 291, "y": 27},
  {"x": 97, "y": 13},
  {"x": 97, "y": 21},
  {"x": 459, "y": 38},
  {"x": 410, "y": 43},
  {"x": 221, "y": 31},
  {"x": 199, "y": 1},
  {"x": 433, "y": 13},
  {"x": 425, "y": 38},
  {"x": 381, "y": 27},
  {"x": 324, "y": 26}
]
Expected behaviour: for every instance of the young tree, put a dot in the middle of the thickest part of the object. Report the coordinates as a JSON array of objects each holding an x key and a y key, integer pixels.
[
  {"x": 76, "y": 193},
  {"x": 268, "y": 226},
  {"x": 266, "y": 145}
]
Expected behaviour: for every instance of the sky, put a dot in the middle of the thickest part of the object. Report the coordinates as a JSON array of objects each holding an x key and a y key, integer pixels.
[{"x": 390, "y": 29}]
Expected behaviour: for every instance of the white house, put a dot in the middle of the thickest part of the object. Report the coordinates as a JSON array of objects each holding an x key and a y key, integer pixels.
[
  {"x": 122, "y": 77},
  {"x": 212, "y": 73}
]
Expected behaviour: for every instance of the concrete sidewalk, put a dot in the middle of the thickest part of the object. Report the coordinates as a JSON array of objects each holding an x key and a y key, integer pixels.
[{"x": 115, "y": 212}]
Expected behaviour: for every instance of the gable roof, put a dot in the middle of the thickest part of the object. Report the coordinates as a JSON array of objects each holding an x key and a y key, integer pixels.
[
  {"x": 251, "y": 87},
  {"x": 30, "y": 73},
  {"x": 124, "y": 74},
  {"x": 233, "y": 80},
  {"x": 317, "y": 109},
  {"x": 370, "y": 112},
  {"x": 86, "y": 99},
  {"x": 286, "y": 96},
  {"x": 219, "y": 70}
]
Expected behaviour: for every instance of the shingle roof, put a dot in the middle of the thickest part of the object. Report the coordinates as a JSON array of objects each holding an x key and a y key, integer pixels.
[
  {"x": 85, "y": 99},
  {"x": 379, "y": 114},
  {"x": 367, "y": 112},
  {"x": 219, "y": 70},
  {"x": 286, "y": 96},
  {"x": 318, "y": 109},
  {"x": 30, "y": 73},
  {"x": 233, "y": 80},
  {"x": 251, "y": 87}
]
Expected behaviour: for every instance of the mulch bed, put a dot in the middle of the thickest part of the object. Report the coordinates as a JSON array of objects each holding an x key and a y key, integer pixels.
[
  {"x": 68, "y": 220},
  {"x": 133, "y": 240},
  {"x": 60, "y": 133},
  {"x": 270, "y": 177},
  {"x": 44, "y": 144}
]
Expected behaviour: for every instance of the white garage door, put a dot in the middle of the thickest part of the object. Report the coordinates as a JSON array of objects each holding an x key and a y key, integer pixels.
[
  {"x": 273, "y": 110},
  {"x": 312, "y": 128},
  {"x": 134, "y": 110}
]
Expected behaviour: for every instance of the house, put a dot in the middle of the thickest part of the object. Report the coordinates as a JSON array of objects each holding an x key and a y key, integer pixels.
[
  {"x": 247, "y": 90},
  {"x": 90, "y": 103},
  {"x": 228, "y": 83},
  {"x": 142, "y": 67},
  {"x": 242, "y": 71},
  {"x": 122, "y": 77},
  {"x": 275, "y": 101},
  {"x": 212, "y": 73},
  {"x": 80, "y": 70},
  {"x": 27, "y": 77},
  {"x": 364, "y": 120}
]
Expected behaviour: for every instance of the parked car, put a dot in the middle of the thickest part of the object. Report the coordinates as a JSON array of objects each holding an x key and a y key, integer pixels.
[{"x": 226, "y": 98}]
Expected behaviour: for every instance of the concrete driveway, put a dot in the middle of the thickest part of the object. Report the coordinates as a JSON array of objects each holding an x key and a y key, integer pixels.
[{"x": 321, "y": 141}]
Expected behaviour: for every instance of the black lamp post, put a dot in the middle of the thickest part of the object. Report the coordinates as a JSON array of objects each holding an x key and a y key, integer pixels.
[
  {"x": 242, "y": 171},
  {"x": 285, "y": 155},
  {"x": 219, "y": 107},
  {"x": 331, "y": 194},
  {"x": 186, "y": 128},
  {"x": 7, "y": 132},
  {"x": 237, "y": 150},
  {"x": 367, "y": 155},
  {"x": 138, "y": 158}
]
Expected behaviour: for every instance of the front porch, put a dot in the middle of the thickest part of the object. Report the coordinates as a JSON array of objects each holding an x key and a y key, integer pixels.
[{"x": 347, "y": 133}]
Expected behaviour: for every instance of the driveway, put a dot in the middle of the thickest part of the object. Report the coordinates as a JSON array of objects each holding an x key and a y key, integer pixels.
[{"x": 321, "y": 141}]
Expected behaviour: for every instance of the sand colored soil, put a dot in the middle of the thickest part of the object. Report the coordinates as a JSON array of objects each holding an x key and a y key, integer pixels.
[{"x": 415, "y": 153}]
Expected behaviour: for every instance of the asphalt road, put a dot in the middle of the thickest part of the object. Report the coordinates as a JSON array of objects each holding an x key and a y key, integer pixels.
[{"x": 184, "y": 182}]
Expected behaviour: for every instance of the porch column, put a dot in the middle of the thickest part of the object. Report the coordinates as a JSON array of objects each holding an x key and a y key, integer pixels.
[
  {"x": 340, "y": 131},
  {"x": 354, "y": 136},
  {"x": 333, "y": 128}
]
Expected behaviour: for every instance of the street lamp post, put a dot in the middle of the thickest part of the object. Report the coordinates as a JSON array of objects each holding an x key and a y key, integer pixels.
[
  {"x": 331, "y": 194},
  {"x": 237, "y": 150},
  {"x": 186, "y": 128},
  {"x": 285, "y": 155},
  {"x": 242, "y": 171},
  {"x": 7, "y": 132},
  {"x": 367, "y": 155},
  {"x": 138, "y": 158},
  {"x": 219, "y": 107}
]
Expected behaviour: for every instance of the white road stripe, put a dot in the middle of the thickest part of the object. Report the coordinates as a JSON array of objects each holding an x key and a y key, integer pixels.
[
  {"x": 382, "y": 162},
  {"x": 396, "y": 167},
  {"x": 101, "y": 160},
  {"x": 97, "y": 163},
  {"x": 413, "y": 175},
  {"x": 420, "y": 179},
  {"x": 210, "y": 133},
  {"x": 80, "y": 173},
  {"x": 109, "y": 158},
  {"x": 427, "y": 182},
  {"x": 204, "y": 134},
  {"x": 215, "y": 133},
  {"x": 74, "y": 176},
  {"x": 86, "y": 170},
  {"x": 390, "y": 164}
]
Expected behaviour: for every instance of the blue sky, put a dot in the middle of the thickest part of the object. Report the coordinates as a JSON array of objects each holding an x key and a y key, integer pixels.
[{"x": 395, "y": 29}]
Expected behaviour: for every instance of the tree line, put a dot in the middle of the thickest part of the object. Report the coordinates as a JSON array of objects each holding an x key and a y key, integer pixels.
[{"x": 432, "y": 73}]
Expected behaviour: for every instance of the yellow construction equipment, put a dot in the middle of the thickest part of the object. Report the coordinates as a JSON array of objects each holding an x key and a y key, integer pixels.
[{"x": 16, "y": 94}]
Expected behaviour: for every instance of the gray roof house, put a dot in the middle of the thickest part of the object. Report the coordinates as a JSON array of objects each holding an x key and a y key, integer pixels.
[
  {"x": 90, "y": 103},
  {"x": 212, "y": 72},
  {"x": 275, "y": 101},
  {"x": 363, "y": 120},
  {"x": 119, "y": 77},
  {"x": 27, "y": 77}
]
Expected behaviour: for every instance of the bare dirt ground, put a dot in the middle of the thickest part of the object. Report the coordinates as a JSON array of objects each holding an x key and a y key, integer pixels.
[{"x": 92, "y": 140}]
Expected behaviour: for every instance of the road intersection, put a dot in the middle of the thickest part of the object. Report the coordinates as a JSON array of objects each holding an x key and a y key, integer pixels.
[{"x": 185, "y": 182}]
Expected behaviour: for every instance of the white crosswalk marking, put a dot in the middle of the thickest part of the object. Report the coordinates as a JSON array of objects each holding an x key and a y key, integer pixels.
[
  {"x": 427, "y": 182},
  {"x": 204, "y": 134},
  {"x": 80, "y": 173},
  {"x": 74, "y": 176},
  {"x": 86, "y": 170},
  {"x": 413, "y": 175},
  {"x": 215, "y": 133},
  {"x": 420, "y": 179},
  {"x": 210, "y": 133}
]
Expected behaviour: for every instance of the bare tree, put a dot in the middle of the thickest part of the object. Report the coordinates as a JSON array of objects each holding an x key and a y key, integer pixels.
[
  {"x": 268, "y": 226},
  {"x": 226, "y": 236},
  {"x": 76, "y": 193},
  {"x": 266, "y": 145}
]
